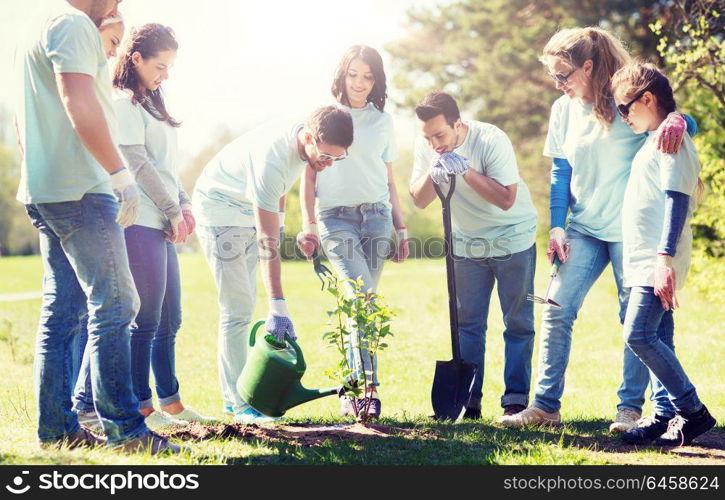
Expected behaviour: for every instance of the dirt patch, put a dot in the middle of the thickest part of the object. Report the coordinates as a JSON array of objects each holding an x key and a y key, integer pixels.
[{"x": 307, "y": 435}]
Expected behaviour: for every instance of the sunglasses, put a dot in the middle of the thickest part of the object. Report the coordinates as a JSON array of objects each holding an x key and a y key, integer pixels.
[
  {"x": 561, "y": 78},
  {"x": 624, "y": 108},
  {"x": 326, "y": 157}
]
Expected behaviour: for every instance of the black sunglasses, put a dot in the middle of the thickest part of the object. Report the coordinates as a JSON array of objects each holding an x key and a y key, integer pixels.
[
  {"x": 561, "y": 78},
  {"x": 624, "y": 108}
]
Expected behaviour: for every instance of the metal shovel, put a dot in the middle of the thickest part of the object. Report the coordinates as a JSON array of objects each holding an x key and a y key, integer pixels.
[
  {"x": 322, "y": 271},
  {"x": 546, "y": 300},
  {"x": 453, "y": 380}
]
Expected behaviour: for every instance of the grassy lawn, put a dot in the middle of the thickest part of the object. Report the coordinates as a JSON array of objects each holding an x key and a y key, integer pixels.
[{"x": 416, "y": 291}]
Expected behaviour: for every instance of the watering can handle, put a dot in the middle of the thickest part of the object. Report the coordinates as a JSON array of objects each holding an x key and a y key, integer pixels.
[
  {"x": 300, "y": 365},
  {"x": 253, "y": 333}
]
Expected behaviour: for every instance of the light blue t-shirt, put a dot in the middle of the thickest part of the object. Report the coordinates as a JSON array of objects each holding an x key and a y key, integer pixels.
[
  {"x": 600, "y": 160},
  {"x": 56, "y": 166},
  {"x": 363, "y": 176},
  {"x": 136, "y": 126},
  {"x": 643, "y": 210},
  {"x": 256, "y": 169},
  {"x": 481, "y": 229}
]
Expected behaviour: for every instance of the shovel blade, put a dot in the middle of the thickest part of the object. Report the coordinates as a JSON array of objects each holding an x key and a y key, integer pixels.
[{"x": 452, "y": 386}]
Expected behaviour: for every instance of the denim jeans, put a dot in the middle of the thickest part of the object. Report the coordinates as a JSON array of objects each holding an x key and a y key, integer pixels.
[
  {"x": 642, "y": 324},
  {"x": 588, "y": 257},
  {"x": 85, "y": 273},
  {"x": 357, "y": 240},
  {"x": 474, "y": 284},
  {"x": 231, "y": 253}
]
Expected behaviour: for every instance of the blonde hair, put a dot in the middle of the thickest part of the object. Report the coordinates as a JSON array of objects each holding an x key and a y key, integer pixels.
[
  {"x": 639, "y": 76},
  {"x": 576, "y": 46},
  {"x": 118, "y": 18}
]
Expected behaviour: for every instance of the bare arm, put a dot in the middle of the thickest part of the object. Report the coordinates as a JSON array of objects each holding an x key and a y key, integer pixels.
[
  {"x": 422, "y": 191},
  {"x": 269, "y": 255},
  {"x": 307, "y": 196},
  {"x": 490, "y": 190},
  {"x": 81, "y": 104},
  {"x": 394, "y": 201}
]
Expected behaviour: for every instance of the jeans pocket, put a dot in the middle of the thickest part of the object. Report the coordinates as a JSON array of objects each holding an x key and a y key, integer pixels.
[
  {"x": 326, "y": 214},
  {"x": 62, "y": 218}
]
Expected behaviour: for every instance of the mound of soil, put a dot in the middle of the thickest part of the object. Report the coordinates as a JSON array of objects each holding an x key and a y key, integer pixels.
[{"x": 297, "y": 434}]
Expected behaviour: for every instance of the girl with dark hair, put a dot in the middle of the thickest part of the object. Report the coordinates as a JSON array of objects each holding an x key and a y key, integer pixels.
[
  {"x": 148, "y": 141},
  {"x": 591, "y": 155},
  {"x": 660, "y": 198},
  {"x": 357, "y": 202}
]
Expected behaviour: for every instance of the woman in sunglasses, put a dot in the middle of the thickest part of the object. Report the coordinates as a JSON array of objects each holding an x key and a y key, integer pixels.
[
  {"x": 592, "y": 152},
  {"x": 357, "y": 202}
]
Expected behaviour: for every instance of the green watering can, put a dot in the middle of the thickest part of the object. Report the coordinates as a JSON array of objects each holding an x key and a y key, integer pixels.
[{"x": 270, "y": 381}]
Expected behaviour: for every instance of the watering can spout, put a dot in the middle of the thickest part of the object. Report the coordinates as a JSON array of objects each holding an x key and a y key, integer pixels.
[{"x": 300, "y": 395}]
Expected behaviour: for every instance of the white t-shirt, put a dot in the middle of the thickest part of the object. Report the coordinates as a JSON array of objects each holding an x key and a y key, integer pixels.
[
  {"x": 363, "y": 176},
  {"x": 256, "y": 169},
  {"x": 643, "y": 211},
  {"x": 481, "y": 229},
  {"x": 56, "y": 166},
  {"x": 137, "y": 126},
  {"x": 600, "y": 160}
]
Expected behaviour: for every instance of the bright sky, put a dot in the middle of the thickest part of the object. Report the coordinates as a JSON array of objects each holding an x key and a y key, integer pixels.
[{"x": 241, "y": 62}]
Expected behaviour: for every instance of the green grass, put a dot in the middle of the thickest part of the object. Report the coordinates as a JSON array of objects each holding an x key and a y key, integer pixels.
[{"x": 416, "y": 291}]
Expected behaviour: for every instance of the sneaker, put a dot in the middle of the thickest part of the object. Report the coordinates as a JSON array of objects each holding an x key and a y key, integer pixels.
[
  {"x": 531, "y": 416},
  {"x": 82, "y": 438},
  {"x": 685, "y": 427},
  {"x": 647, "y": 430},
  {"x": 510, "y": 410},
  {"x": 472, "y": 414},
  {"x": 373, "y": 405},
  {"x": 346, "y": 408},
  {"x": 150, "y": 443},
  {"x": 189, "y": 414},
  {"x": 624, "y": 421},
  {"x": 159, "y": 419},
  {"x": 90, "y": 421},
  {"x": 252, "y": 416}
]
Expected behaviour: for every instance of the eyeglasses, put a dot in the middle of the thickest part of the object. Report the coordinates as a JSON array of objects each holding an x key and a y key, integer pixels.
[
  {"x": 561, "y": 78},
  {"x": 624, "y": 108},
  {"x": 326, "y": 157}
]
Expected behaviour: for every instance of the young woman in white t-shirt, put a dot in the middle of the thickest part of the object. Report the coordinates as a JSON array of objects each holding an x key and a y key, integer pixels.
[
  {"x": 148, "y": 140},
  {"x": 658, "y": 204},
  {"x": 592, "y": 154},
  {"x": 355, "y": 204}
]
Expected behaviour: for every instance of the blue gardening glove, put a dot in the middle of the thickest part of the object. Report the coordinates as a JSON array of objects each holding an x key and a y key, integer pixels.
[
  {"x": 454, "y": 163},
  {"x": 278, "y": 321},
  {"x": 124, "y": 187}
]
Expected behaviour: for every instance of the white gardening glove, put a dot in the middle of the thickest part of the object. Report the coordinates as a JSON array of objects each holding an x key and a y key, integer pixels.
[
  {"x": 402, "y": 248},
  {"x": 557, "y": 245},
  {"x": 308, "y": 240},
  {"x": 278, "y": 321},
  {"x": 454, "y": 163},
  {"x": 124, "y": 187},
  {"x": 179, "y": 229}
]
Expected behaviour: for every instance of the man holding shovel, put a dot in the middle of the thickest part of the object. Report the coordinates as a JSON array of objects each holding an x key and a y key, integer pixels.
[
  {"x": 239, "y": 201},
  {"x": 494, "y": 230}
]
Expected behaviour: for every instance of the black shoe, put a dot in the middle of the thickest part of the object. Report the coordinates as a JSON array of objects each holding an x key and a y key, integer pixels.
[
  {"x": 685, "y": 427},
  {"x": 472, "y": 414},
  {"x": 648, "y": 429}
]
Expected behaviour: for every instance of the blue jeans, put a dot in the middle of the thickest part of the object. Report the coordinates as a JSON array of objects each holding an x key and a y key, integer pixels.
[
  {"x": 357, "y": 240},
  {"x": 588, "y": 257},
  {"x": 155, "y": 269},
  {"x": 231, "y": 252},
  {"x": 474, "y": 284},
  {"x": 85, "y": 273},
  {"x": 642, "y": 327}
]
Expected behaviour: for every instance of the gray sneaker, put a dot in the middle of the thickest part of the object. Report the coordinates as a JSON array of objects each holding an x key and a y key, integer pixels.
[
  {"x": 150, "y": 443},
  {"x": 82, "y": 438},
  {"x": 91, "y": 422},
  {"x": 373, "y": 404}
]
